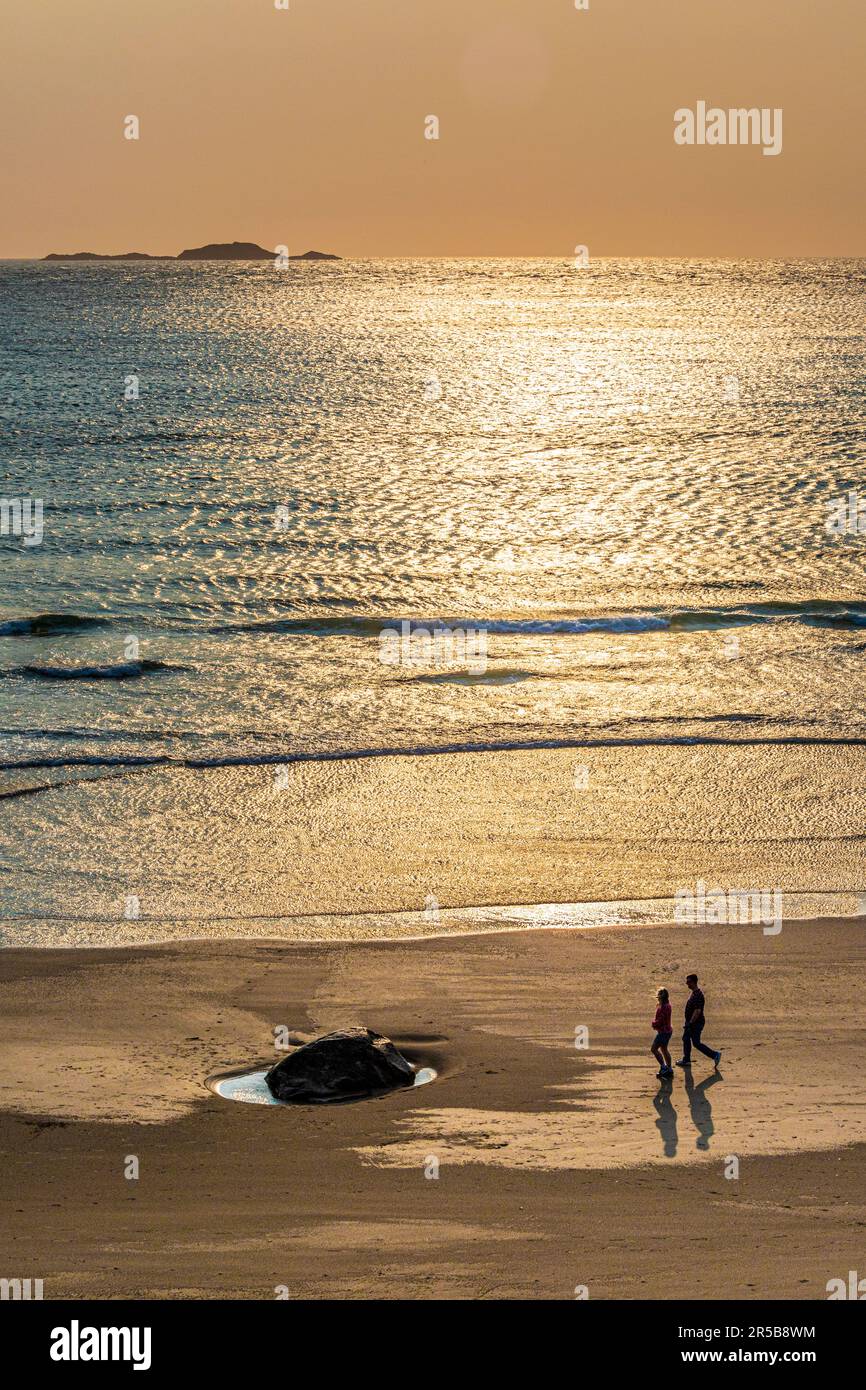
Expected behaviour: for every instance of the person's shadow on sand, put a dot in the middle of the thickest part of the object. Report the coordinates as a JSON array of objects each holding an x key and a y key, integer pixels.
[
  {"x": 666, "y": 1124},
  {"x": 702, "y": 1111}
]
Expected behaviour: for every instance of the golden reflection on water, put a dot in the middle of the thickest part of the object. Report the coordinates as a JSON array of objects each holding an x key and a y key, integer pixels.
[
  {"x": 622, "y": 477},
  {"x": 425, "y": 846}
]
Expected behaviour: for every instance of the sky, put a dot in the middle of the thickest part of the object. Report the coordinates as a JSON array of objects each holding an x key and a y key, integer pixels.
[{"x": 305, "y": 127}]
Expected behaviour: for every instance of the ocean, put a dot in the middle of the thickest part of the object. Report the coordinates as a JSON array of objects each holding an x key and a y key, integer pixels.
[{"x": 375, "y": 598}]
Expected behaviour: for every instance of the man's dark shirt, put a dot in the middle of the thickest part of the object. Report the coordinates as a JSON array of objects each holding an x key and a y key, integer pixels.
[{"x": 694, "y": 1004}]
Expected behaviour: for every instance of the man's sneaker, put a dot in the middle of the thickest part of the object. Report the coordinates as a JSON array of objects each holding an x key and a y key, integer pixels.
[
  {"x": 668, "y": 1071},
  {"x": 682, "y": 1063},
  {"x": 717, "y": 1059}
]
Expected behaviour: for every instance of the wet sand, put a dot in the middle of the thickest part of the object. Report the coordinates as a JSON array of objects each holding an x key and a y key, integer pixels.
[
  {"x": 224, "y": 853},
  {"x": 557, "y": 1166}
]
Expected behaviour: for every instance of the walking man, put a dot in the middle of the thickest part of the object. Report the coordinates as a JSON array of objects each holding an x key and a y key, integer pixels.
[{"x": 694, "y": 1026}]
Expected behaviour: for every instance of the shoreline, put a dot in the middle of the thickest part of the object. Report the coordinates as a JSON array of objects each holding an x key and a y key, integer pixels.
[
  {"x": 507, "y": 929},
  {"x": 412, "y": 847},
  {"x": 556, "y": 1165}
]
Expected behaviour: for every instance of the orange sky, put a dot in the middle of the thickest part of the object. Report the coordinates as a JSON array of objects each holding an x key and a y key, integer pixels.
[{"x": 306, "y": 127}]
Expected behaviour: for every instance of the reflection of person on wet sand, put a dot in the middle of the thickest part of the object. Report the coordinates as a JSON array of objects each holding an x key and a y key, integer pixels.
[
  {"x": 666, "y": 1124},
  {"x": 702, "y": 1111}
]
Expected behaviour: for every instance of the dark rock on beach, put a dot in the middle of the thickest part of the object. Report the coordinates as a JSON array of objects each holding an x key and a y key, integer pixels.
[{"x": 346, "y": 1065}]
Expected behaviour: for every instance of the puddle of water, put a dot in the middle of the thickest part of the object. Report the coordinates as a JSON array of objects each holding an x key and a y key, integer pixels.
[{"x": 251, "y": 1087}]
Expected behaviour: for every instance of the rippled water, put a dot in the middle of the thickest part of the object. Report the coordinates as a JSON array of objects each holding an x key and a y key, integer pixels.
[{"x": 621, "y": 474}]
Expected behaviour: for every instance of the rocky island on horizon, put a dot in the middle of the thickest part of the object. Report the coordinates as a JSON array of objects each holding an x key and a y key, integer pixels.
[{"x": 213, "y": 251}]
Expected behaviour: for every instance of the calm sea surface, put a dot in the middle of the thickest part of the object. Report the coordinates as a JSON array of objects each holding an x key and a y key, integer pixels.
[{"x": 622, "y": 481}]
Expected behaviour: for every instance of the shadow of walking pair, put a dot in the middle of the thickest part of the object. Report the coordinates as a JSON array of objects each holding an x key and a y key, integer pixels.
[{"x": 699, "y": 1107}]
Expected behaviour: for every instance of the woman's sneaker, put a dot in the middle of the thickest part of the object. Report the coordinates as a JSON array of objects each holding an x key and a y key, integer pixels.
[{"x": 717, "y": 1059}]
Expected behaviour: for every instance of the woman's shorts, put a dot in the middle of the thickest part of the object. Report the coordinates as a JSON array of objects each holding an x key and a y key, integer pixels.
[{"x": 662, "y": 1039}]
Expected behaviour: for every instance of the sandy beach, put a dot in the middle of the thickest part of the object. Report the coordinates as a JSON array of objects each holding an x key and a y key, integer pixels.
[{"x": 557, "y": 1166}]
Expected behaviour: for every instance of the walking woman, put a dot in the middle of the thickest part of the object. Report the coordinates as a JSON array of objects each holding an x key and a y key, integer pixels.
[{"x": 662, "y": 1025}]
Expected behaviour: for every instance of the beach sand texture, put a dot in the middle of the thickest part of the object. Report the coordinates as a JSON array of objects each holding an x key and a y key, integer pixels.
[{"x": 557, "y": 1166}]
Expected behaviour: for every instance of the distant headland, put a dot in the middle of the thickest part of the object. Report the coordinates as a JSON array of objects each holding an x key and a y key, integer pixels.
[{"x": 214, "y": 251}]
